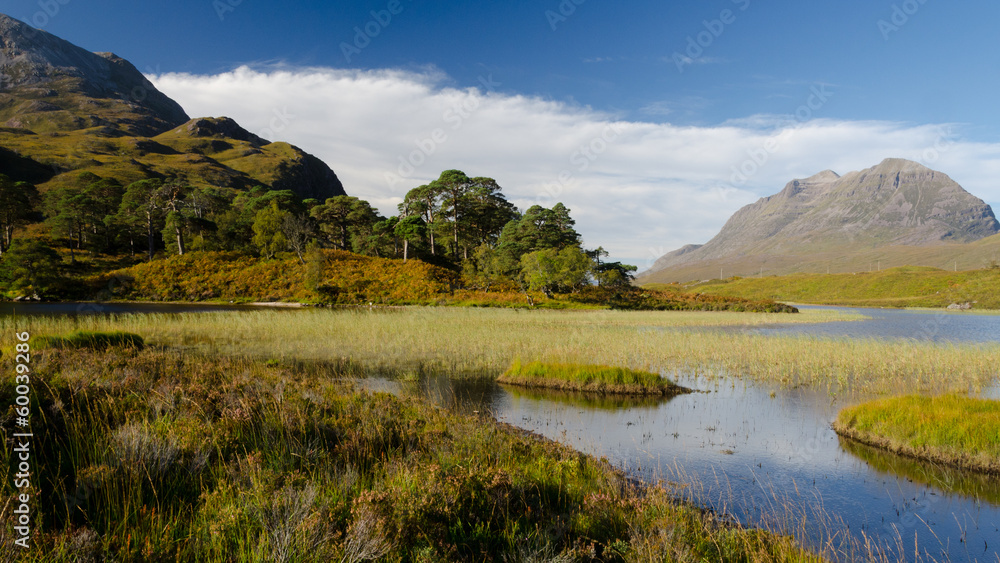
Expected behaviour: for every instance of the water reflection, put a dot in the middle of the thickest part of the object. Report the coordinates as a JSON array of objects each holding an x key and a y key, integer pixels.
[
  {"x": 941, "y": 477},
  {"x": 761, "y": 457},
  {"x": 586, "y": 400}
]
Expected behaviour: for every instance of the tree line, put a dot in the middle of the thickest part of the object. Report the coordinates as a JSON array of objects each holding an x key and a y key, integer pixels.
[{"x": 460, "y": 222}]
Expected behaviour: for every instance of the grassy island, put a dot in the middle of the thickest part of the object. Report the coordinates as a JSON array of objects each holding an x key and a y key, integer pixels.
[
  {"x": 591, "y": 378},
  {"x": 951, "y": 429}
]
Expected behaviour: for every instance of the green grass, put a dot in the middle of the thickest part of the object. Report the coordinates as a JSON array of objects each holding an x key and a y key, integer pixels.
[
  {"x": 949, "y": 429},
  {"x": 90, "y": 340},
  {"x": 165, "y": 456},
  {"x": 896, "y": 287},
  {"x": 462, "y": 342},
  {"x": 591, "y": 378}
]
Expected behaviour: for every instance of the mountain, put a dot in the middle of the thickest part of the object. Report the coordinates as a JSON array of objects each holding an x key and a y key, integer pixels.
[
  {"x": 65, "y": 110},
  {"x": 50, "y": 84},
  {"x": 888, "y": 214}
]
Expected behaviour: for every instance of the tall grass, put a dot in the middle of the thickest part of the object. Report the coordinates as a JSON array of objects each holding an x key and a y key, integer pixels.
[
  {"x": 485, "y": 342},
  {"x": 162, "y": 456}
]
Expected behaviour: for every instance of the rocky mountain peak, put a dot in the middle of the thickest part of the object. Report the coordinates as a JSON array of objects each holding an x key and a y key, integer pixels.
[
  {"x": 895, "y": 203},
  {"x": 65, "y": 110},
  {"x": 75, "y": 84}
]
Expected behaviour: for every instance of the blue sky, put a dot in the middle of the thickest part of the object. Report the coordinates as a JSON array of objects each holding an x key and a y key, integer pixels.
[{"x": 695, "y": 88}]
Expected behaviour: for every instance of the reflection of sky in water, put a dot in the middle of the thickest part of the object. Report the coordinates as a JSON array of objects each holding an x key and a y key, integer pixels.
[
  {"x": 759, "y": 457},
  {"x": 934, "y": 326}
]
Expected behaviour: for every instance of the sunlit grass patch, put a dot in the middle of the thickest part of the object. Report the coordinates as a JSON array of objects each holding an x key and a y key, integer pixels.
[
  {"x": 586, "y": 377},
  {"x": 950, "y": 429}
]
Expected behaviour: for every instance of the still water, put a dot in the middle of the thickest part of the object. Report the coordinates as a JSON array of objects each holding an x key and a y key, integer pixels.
[
  {"x": 769, "y": 455},
  {"x": 923, "y": 325},
  {"x": 759, "y": 453},
  {"x": 762, "y": 458}
]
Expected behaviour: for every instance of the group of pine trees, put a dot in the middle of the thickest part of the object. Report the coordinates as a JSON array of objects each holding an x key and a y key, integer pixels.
[{"x": 455, "y": 221}]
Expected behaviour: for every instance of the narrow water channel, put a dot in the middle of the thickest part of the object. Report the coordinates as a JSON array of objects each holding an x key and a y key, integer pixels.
[{"x": 763, "y": 458}]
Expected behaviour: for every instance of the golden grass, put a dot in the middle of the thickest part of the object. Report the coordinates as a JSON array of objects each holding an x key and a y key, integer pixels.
[{"x": 485, "y": 342}]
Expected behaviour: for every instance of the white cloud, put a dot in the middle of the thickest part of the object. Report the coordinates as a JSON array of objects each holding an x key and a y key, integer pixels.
[{"x": 638, "y": 189}]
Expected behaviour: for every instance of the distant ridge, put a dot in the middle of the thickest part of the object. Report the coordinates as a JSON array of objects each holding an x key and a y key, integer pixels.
[
  {"x": 65, "y": 110},
  {"x": 888, "y": 214}
]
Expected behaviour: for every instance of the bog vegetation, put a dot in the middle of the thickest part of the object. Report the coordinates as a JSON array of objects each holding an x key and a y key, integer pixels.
[
  {"x": 591, "y": 378},
  {"x": 161, "y": 455},
  {"x": 465, "y": 342}
]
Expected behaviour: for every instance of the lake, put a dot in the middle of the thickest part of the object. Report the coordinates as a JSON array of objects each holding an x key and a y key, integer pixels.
[
  {"x": 768, "y": 454},
  {"x": 764, "y": 454},
  {"x": 923, "y": 325}
]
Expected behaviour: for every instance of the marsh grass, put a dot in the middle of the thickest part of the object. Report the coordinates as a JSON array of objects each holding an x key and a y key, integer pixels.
[
  {"x": 949, "y": 429},
  {"x": 89, "y": 339},
  {"x": 590, "y": 378},
  {"x": 484, "y": 343},
  {"x": 157, "y": 455}
]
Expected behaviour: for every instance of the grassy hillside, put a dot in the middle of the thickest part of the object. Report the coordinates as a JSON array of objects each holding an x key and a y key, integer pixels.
[
  {"x": 895, "y": 287},
  {"x": 212, "y": 160},
  {"x": 345, "y": 278},
  {"x": 332, "y": 276}
]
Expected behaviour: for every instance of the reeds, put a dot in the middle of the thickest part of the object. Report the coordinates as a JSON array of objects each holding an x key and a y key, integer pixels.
[
  {"x": 484, "y": 342},
  {"x": 160, "y": 456},
  {"x": 587, "y": 377}
]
